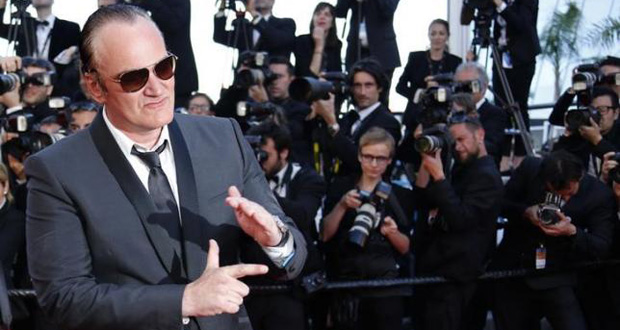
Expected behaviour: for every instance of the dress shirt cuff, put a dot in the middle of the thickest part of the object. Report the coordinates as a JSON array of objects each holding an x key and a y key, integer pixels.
[
  {"x": 281, "y": 255},
  {"x": 501, "y": 7}
]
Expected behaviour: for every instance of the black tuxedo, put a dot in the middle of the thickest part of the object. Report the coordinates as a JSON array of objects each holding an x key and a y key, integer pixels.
[
  {"x": 300, "y": 129},
  {"x": 494, "y": 120},
  {"x": 98, "y": 258},
  {"x": 173, "y": 19},
  {"x": 277, "y": 35},
  {"x": 344, "y": 145},
  {"x": 379, "y": 18},
  {"x": 520, "y": 303},
  {"x": 64, "y": 35}
]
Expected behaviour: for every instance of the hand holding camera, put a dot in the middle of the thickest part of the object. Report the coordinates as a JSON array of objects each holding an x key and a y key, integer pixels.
[
  {"x": 563, "y": 227},
  {"x": 351, "y": 199},
  {"x": 389, "y": 227},
  {"x": 610, "y": 167},
  {"x": 591, "y": 133},
  {"x": 433, "y": 165}
]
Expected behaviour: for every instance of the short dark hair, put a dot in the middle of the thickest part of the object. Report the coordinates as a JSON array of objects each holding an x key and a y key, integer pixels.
[
  {"x": 373, "y": 68},
  {"x": 283, "y": 60},
  {"x": 199, "y": 94},
  {"x": 561, "y": 167},
  {"x": 28, "y": 61},
  {"x": 101, "y": 17},
  {"x": 599, "y": 91},
  {"x": 610, "y": 60},
  {"x": 279, "y": 134}
]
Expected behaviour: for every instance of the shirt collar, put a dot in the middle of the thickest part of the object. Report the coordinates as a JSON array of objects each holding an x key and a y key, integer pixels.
[
  {"x": 126, "y": 144},
  {"x": 480, "y": 103},
  {"x": 51, "y": 19},
  {"x": 366, "y": 112},
  {"x": 280, "y": 174}
]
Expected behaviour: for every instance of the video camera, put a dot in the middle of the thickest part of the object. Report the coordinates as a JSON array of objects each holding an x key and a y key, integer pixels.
[
  {"x": 253, "y": 70},
  {"x": 547, "y": 211},
  {"x": 256, "y": 142},
  {"x": 370, "y": 214},
  {"x": 310, "y": 89}
]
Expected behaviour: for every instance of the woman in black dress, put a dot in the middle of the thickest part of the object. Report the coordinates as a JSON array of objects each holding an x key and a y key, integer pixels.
[{"x": 319, "y": 51}]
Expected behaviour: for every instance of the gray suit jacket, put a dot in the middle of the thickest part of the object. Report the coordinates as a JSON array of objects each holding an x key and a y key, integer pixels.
[{"x": 97, "y": 258}]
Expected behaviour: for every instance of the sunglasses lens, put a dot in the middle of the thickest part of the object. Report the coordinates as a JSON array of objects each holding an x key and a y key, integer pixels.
[
  {"x": 165, "y": 69},
  {"x": 133, "y": 81}
]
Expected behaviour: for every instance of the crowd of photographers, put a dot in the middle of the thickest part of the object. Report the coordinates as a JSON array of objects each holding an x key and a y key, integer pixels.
[{"x": 375, "y": 196}]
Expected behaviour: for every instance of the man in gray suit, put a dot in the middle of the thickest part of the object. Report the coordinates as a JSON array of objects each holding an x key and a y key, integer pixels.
[{"x": 139, "y": 222}]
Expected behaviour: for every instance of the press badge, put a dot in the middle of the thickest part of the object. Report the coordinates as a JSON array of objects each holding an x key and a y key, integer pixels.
[
  {"x": 506, "y": 60},
  {"x": 541, "y": 257}
]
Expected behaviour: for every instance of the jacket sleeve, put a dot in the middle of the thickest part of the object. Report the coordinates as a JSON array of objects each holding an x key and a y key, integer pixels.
[
  {"x": 278, "y": 39},
  {"x": 308, "y": 196},
  {"x": 386, "y": 7},
  {"x": 520, "y": 15},
  {"x": 559, "y": 109},
  {"x": 60, "y": 264},
  {"x": 594, "y": 241}
]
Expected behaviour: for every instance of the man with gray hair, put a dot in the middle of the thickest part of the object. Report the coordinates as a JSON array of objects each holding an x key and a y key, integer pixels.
[
  {"x": 126, "y": 219},
  {"x": 471, "y": 78}
]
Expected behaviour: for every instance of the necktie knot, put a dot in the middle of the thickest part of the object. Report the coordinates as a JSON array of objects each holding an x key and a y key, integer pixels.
[{"x": 151, "y": 158}]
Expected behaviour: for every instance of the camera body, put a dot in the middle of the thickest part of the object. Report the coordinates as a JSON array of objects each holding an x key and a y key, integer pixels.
[
  {"x": 254, "y": 70},
  {"x": 547, "y": 211},
  {"x": 370, "y": 213},
  {"x": 436, "y": 103},
  {"x": 256, "y": 112},
  {"x": 255, "y": 142},
  {"x": 581, "y": 116},
  {"x": 310, "y": 89}
]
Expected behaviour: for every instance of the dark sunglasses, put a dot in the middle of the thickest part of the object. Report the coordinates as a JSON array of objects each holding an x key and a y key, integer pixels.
[
  {"x": 460, "y": 117},
  {"x": 133, "y": 81}
]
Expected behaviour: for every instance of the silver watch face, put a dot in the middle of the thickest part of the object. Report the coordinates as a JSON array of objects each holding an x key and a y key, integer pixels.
[{"x": 281, "y": 225}]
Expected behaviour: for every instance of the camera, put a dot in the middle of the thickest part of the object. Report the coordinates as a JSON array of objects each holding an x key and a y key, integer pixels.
[
  {"x": 255, "y": 70},
  {"x": 430, "y": 142},
  {"x": 8, "y": 82},
  {"x": 576, "y": 118},
  {"x": 612, "y": 79},
  {"x": 256, "y": 112},
  {"x": 547, "y": 211},
  {"x": 255, "y": 142},
  {"x": 19, "y": 122},
  {"x": 614, "y": 174},
  {"x": 585, "y": 77},
  {"x": 309, "y": 89},
  {"x": 369, "y": 214},
  {"x": 468, "y": 87}
]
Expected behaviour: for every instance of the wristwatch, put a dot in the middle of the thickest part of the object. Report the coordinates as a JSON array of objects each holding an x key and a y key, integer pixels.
[
  {"x": 333, "y": 129},
  {"x": 283, "y": 229}
]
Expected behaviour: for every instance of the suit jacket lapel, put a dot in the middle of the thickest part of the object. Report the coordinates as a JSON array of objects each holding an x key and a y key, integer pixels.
[
  {"x": 195, "y": 238},
  {"x": 134, "y": 191}
]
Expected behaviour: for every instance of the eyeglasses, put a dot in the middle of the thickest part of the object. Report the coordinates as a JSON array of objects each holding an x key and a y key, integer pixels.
[
  {"x": 460, "y": 117},
  {"x": 205, "y": 107},
  {"x": 133, "y": 81},
  {"x": 604, "y": 109},
  {"x": 369, "y": 159}
]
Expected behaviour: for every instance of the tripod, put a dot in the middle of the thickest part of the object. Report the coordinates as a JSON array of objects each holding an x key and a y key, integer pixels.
[
  {"x": 482, "y": 32},
  {"x": 21, "y": 22}
]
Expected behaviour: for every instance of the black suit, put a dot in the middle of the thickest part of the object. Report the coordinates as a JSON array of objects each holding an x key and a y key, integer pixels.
[
  {"x": 494, "y": 120},
  {"x": 277, "y": 35},
  {"x": 523, "y": 45},
  {"x": 344, "y": 145},
  {"x": 300, "y": 129},
  {"x": 459, "y": 242},
  {"x": 519, "y": 303},
  {"x": 173, "y": 17},
  {"x": 98, "y": 259},
  {"x": 379, "y": 18}
]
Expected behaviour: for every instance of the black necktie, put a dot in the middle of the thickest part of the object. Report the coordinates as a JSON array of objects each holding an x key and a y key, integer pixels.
[
  {"x": 44, "y": 23},
  {"x": 159, "y": 188}
]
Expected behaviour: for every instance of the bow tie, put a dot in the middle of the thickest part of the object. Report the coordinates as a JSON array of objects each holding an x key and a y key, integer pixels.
[
  {"x": 44, "y": 23},
  {"x": 274, "y": 179}
]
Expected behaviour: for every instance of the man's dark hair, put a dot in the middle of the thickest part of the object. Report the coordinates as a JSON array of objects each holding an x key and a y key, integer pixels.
[
  {"x": 610, "y": 60},
  {"x": 101, "y": 17},
  {"x": 279, "y": 134},
  {"x": 283, "y": 60},
  {"x": 599, "y": 91},
  {"x": 199, "y": 94},
  {"x": 28, "y": 61},
  {"x": 373, "y": 68},
  {"x": 560, "y": 168}
]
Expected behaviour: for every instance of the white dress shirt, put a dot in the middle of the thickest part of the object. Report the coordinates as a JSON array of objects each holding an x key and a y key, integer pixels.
[
  {"x": 44, "y": 37},
  {"x": 363, "y": 113}
]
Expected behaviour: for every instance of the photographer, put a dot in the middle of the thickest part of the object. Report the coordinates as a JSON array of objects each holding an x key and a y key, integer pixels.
[
  {"x": 368, "y": 86},
  {"x": 605, "y": 72},
  {"x": 265, "y": 32},
  {"x": 455, "y": 230},
  {"x": 200, "y": 104},
  {"x": 348, "y": 208},
  {"x": 81, "y": 115},
  {"x": 297, "y": 113},
  {"x": 471, "y": 78},
  {"x": 558, "y": 217},
  {"x": 592, "y": 131},
  {"x": 299, "y": 191}
]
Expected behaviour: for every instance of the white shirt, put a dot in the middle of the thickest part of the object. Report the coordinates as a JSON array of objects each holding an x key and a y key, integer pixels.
[
  {"x": 279, "y": 255},
  {"x": 480, "y": 103},
  {"x": 44, "y": 36},
  {"x": 255, "y": 33},
  {"x": 363, "y": 113},
  {"x": 280, "y": 188}
]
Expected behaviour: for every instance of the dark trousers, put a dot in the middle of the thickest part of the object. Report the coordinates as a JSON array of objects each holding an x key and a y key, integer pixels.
[
  {"x": 519, "y": 79},
  {"x": 443, "y": 306},
  {"x": 275, "y": 312},
  {"x": 519, "y": 307},
  {"x": 377, "y": 313}
]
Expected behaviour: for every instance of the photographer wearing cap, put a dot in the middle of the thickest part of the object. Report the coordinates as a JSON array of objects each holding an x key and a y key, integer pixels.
[
  {"x": 364, "y": 233},
  {"x": 471, "y": 78},
  {"x": 455, "y": 230},
  {"x": 265, "y": 32},
  {"x": 558, "y": 217},
  {"x": 368, "y": 89},
  {"x": 592, "y": 131},
  {"x": 299, "y": 191}
]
